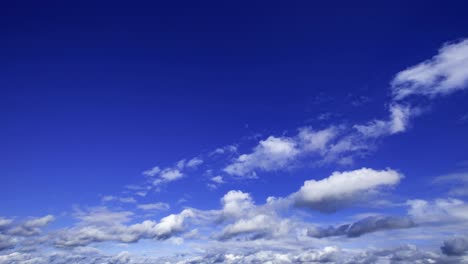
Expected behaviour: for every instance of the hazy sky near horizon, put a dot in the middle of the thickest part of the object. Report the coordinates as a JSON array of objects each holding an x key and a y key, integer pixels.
[{"x": 234, "y": 132}]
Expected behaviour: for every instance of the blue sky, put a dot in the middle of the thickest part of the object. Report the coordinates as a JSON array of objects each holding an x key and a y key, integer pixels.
[{"x": 240, "y": 132}]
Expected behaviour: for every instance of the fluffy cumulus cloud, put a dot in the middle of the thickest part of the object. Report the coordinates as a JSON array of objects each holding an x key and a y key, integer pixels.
[
  {"x": 342, "y": 188},
  {"x": 445, "y": 73},
  {"x": 235, "y": 204}
]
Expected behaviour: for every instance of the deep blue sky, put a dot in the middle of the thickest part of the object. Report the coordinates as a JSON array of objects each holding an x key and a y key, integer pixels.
[{"x": 92, "y": 94}]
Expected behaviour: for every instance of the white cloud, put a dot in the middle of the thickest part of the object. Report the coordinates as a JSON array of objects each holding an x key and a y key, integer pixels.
[
  {"x": 217, "y": 179},
  {"x": 152, "y": 172},
  {"x": 223, "y": 150},
  {"x": 235, "y": 203},
  {"x": 4, "y": 222},
  {"x": 181, "y": 164},
  {"x": 153, "y": 206},
  {"x": 28, "y": 228},
  {"x": 311, "y": 140},
  {"x": 438, "y": 211},
  {"x": 445, "y": 73},
  {"x": 270, "y": 154},
  {"x": 398, "y": 122},
  {"x": 100, "y": 225},
  {"x": 343, "y": 187},
  {"x": 195, "y": 162},
  {"x": 171, "y": 174},
  {"x": 109, "y": 198},
  {"x": 102, "y": 215},
  {"x": 259, "y": 224},
  {"x": 457, "y": 181},
  {"x": 215, "y": 182}
]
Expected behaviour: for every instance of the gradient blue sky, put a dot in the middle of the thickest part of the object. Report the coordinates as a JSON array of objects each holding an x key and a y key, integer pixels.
[{"x": 93, "y": 95}]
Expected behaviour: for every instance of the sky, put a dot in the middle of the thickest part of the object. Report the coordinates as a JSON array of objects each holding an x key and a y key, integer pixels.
[{"x": 233, "y": 132}]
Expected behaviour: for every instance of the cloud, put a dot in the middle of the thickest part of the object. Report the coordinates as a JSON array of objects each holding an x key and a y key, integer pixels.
[
  {"x": 14, "y": 233},
  {"x": 195, "y": 162},
  {"x": 438, "y": 211},
  {"x": 31, "y": 227},
  {"x": 152, "y": 172},
  {"x": 367, "y": 225},
  {"x": 270, "y": 154},
  {"x": 398, "y": 122},
  {"x": 153, "y": 206},
  {"x": 457, "y": 181},
  {"x": 217, "y": 179},
  {"x": 341, "y": 188},
  {"x": 7, "y": 242},
  {"x": 168, "y": 175},
  {"x": 455, "y": 246},
  {"x": 310, "y": 140},
  {"x": 215, "y": 182},
  {"x": 445, "y": 73},
  {"x": 259, "y": 224},
  {"x": 235, "y": 204},
  {"x": 109, "y": 198},
  {"x": 103, "y": 225},
  {"x": 171, "y": 174},
  {"x": 5, "y": 222}
]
